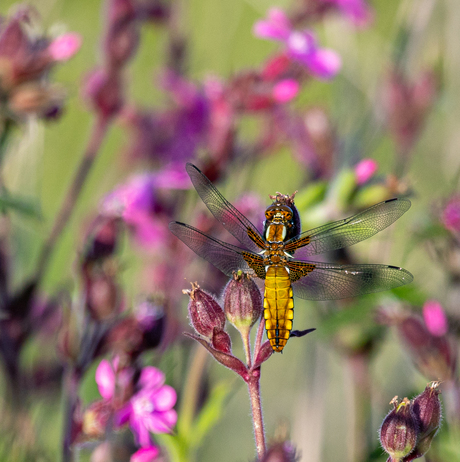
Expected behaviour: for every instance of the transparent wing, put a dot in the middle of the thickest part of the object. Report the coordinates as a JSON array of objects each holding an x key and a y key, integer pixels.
[
  {"x": 226, "y": 257},
  {"x": 231, "y": 218},
  {"x": 343, "y": 233},
  {"x": 332, "y": 282}
]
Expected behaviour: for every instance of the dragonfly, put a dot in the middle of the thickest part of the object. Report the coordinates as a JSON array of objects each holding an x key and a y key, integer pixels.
[{"x": 281, "y": 254}]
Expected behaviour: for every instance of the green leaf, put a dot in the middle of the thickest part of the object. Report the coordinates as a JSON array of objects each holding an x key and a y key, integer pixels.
[
  {"x": 210, "y": 414},
  {"x": 24, "y": 206}
]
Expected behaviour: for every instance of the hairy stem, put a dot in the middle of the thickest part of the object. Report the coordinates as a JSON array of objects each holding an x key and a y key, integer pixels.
[{"x": 256, "y": 406}]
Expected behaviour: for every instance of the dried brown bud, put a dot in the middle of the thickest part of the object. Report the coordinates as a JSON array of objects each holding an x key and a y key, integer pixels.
[
  {"x": 242, "y": 302},
  {"x": 204, "y": 312},
  {"x": 399, "y": 430}
]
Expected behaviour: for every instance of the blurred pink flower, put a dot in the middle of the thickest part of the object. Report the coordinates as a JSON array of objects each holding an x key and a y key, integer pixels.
[
  {"x": 105, "y": 379},
  {"x": 358, "y": 11},
  {"x": 364, "y": 170},
  {"x": 301, "y": 45},
  {"x": 147, "y": 454},
  {"x": 450, "y": 216},
  {"x": 435, "y": 318},
  {"x": 108, "y": 378},
  {"x": 136, "y": 202},
  {"x": 65, "y": 46},
  {"x": 286, "y": 90},
  {"x": 151, "y": 408}
]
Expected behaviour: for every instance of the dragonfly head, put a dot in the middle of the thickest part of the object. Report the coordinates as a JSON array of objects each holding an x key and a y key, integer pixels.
[{"x": 278, "y": 213}]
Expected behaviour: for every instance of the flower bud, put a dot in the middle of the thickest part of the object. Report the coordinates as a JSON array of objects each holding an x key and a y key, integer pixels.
[
  {"x": 221, "y": 341},
  {"x": 104, "y": 92},
  {"x": 102, "y": 296},
  {"x": 280, "y": 452},
  {"x": 122, "y": 36},
  {"x": 399, "y": 430},
  {"x": 204, "y": 312},
  {"x": 96, "y": 418},
  {"x": 427, "y": 408},
  {"x": 435, "y": 357},
  {"x": 242, "y": 302}
]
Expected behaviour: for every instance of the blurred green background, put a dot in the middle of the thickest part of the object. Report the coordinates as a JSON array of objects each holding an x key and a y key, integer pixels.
[{"x": 307, "y": 387}]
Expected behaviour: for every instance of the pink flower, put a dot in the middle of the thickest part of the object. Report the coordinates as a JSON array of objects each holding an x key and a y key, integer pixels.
[
  {"x": 150, "y": 410},
  {"x": 286, "y": 90},
  {"x": 147, "y": 454},
  {"x": 108, "y": 378},
  {"x": 435, "y": 318},
  {"x": 105, "y": 379},
  {"x": 358, "y": 11},
  {"x": 65, "y": 46},
  {"x": 301, "y": 45},
  {"x": 451, "y": 215},
  {"x": 365, "y": 170},
  {"x": 137, "y": 203}
]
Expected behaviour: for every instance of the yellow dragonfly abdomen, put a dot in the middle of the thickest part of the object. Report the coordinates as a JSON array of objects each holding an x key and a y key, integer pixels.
[{"x": 278, "y": 306}]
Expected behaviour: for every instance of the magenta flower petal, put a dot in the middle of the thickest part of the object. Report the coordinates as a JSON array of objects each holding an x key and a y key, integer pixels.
[
  {"x": 65, "y": 46},
  {"x": 123, "y": 415},
  {"x": 285, "y": 90},
  {"x": 141, "y": 432},
  {"x": 151, "y": 378},
  {"x": 364, "y": 170},
  {"x": 105, "y": 379},
  {"x": 435, "y": 318},
  {"x": 147, "y": 454},
  {"x": 164, "y": 399},
  {"x": 276, "y": 27},
  {"x": 323, "y": 63},
  {"x": 162, "y": 422}
]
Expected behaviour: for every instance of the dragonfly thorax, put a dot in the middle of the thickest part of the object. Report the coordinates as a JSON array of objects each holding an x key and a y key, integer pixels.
[{"x": 278, "y": 222}]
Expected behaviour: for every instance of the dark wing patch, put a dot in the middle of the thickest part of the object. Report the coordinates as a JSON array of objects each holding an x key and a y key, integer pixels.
[
  {"x": 295, "y": 244},
  {"x": 299, "y": 269},
  {"x": 255, "y": 262},
  {"x": 231, "y": 218},
  {"x": 226, "y": 257},
  {"x": 349, "y": 231},
  {"x": 256, "y": 238},
  {"x": 333, "y": 282}
]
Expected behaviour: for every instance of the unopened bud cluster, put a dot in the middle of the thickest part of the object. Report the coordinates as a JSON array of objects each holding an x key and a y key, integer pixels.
[
  {"x": 409, "y": 428},
  {"x": 242, "y": 307}
]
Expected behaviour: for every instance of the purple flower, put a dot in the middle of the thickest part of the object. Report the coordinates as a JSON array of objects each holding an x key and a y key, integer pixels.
[
  {"x": 301, "y": 46},
  {"x": 150, "y": 410}
]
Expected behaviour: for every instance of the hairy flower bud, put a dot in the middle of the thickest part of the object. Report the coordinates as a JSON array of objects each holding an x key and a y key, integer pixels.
[
  {"x": 427, "y": 408},
  {"x": 204, "y": 312},
  {"x": 399, "y": 430},
  {"x": 242, "y": 302},
  {"x": 221, "y": 341}
]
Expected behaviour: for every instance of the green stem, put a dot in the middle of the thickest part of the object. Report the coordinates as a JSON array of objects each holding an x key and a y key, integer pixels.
[{"x": 97, "y": 136}]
